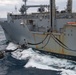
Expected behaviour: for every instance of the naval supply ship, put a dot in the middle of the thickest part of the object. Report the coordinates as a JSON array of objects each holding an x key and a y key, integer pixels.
[{"x": 50, "y": 31}]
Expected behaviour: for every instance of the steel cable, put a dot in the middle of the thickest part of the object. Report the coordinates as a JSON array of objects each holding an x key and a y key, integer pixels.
[
  {"x": 39, "y": 42},
  {"x": 61, "y": 44}
]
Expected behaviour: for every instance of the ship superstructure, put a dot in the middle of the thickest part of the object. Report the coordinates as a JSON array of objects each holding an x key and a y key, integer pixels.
[{"x": 52, "y": 30}]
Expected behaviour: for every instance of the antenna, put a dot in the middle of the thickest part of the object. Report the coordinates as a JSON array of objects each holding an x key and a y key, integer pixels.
[
  {"x": 23, "y": 9},
  {"x": 69, "y": 6},
  {"x": 16, "y": 8},
  {"x": 25, "y": 1}
]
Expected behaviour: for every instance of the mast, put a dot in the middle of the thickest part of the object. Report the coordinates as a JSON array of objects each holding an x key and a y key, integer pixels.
[
  {"x": 69, "y": 6},
  {"x": 52, "y": 14},
  {"x": 25, "y": 6},
  {"x": 25, "y": 1},
  {"x": 23, "y": 9}
]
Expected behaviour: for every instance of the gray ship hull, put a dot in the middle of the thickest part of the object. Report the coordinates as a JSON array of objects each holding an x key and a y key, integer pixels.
[
  {"x": 15, "y": 34},
  {"x": 49, "y": 31}
]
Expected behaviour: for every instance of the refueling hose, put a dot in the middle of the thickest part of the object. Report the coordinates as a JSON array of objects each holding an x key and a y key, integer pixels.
[
  {"x": 39, "y": 42},
  {"x": 61, "y": 43}
]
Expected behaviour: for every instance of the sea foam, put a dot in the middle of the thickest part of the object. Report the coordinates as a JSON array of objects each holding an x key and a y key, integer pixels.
[{"x": 43, "y": 61}]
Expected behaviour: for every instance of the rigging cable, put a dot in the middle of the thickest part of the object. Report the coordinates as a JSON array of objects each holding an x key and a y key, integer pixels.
[
  {"x": 39, "y": 42},
  {"x": 61, "y": 44},
  {"x": 59, "y": 41},
  {"x": 46, "y": 43}
]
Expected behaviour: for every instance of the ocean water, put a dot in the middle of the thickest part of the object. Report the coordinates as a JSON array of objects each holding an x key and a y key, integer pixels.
[{"x": 31, "y": 62}]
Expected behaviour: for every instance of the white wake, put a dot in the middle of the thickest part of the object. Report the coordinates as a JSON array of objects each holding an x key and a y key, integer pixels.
[{"x": 42, "y": 61}]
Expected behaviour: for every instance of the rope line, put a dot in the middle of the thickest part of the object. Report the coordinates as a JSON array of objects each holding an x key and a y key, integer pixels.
[
  {"x": 46, "y": 43},
  {"x": 61, "y": 44},
  {"x": 39, "y": 42}
]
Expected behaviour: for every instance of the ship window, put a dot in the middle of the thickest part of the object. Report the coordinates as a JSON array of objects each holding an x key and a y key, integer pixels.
[
  {"x": 10, "y": 14},
  {"x": 45, "y": 16},
  {"x": 30, "y": 21},
  {"x": 24, "y": 40},
  {"x": 32, "y": 16},
  {"x": 15, "y": 16},
  {"x": 40, "y": 19}
]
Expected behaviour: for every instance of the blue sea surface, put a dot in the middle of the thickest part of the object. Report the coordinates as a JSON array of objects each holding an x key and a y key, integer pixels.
[{"x": 30, "y": 62}]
